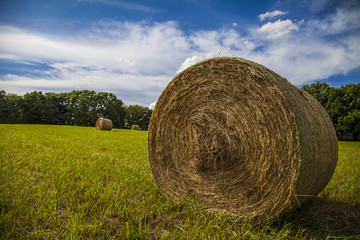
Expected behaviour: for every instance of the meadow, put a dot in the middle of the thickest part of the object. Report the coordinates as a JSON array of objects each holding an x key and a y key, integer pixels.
[{"x": 67, "y": 182}]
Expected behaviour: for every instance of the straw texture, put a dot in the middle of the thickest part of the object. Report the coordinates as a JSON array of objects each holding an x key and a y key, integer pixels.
[
  {"x": 242, "y": 139},
  {"x": 103, "y": 124},
  {"x": 135, "y": 127}
]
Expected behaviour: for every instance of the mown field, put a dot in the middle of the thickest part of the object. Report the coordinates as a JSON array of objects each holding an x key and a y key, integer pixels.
[{"x": 66, "y": 182}]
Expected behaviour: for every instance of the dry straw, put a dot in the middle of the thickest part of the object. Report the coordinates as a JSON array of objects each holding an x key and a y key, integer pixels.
[
  {"x": 242, "y": 139},
  {"x": 135, "y": 127},
  {"x": 103, "y": 124}
]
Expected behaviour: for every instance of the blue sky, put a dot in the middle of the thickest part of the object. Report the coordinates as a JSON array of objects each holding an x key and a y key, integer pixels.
[{"x": 134, "y": 48}]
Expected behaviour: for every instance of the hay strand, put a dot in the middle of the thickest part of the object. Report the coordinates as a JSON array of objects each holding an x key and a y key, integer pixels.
[
  {"x": 242, "y": 139},
  {"x": 103, "y": 124}
]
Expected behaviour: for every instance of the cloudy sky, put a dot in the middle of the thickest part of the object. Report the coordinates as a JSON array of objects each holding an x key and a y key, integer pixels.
[{"x": 134, "y": 48}]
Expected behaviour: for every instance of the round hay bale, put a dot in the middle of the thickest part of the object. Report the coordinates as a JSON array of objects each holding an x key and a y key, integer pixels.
[
  {"x": 103, "y": 124},
  {"x": 242, "y": 139},
  {"x": 135, "y": 127}
]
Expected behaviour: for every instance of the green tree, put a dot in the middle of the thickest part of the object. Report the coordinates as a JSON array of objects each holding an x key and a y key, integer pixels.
[
  {"x": 81, "y": 108},
  {"x": 349, "y": 125},
  {"x": 138, "y": 115},
  {"x": 3, "y": 107},
  {"x": 55, "y": 108},
  {"x": 343, "y": 107},
  {"x": 318, "y": 90},
  {"x": 73, "y": 108},
  {"x": 33, "y": 107},
  {"x": 14, "y": 103},
  {"x": 108, "y": 106}
]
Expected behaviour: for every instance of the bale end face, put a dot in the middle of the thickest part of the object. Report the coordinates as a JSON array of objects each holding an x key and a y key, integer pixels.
[{"x": 232, "y": 132}]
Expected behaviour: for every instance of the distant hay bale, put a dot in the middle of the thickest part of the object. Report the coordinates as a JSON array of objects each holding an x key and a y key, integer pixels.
[
  {"x": 135, "y": 127},
  {"x": 242, "y": 139},
  {"x": 103, "y": 124}
]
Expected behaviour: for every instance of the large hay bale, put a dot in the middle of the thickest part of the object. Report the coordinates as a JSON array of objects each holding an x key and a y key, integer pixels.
[
  {"x": 103, "y": 124},
  {"x": 135, "y": 127},
  {"x": 242, "y": 139}
]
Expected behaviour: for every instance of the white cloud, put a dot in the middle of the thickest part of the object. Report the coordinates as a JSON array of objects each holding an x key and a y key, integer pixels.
[
  {"x": 136, "y": 60},
  {"x": 343, "y": 20},
  {"x": 278, "y": 28},
  {"x": 129, "y": 47},
  {"x": 317, "y": 59},
  {"x": 271, "y": 14},
  {"x": 117, "y": 55},
  {"x": 188, "y": 62},
  {"x": 218, "y": 43},
  {"x": 152, "y": 105}
]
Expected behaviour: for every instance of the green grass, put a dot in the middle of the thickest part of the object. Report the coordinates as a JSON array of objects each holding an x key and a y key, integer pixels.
[{"x": 65, "y": 182}]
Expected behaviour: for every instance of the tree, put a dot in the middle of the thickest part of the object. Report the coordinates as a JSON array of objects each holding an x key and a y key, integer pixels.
[
  {"x": 108, "y": 106},
  {"x": 14, "y": 110},
  {"x": 3, "y": 107},
  {"x": 343, "y": 107},
  {"x": 318, "y": 90},
  {"x": 33, "y": 107},
  {"x": 81, "y": 108},
  {"x": 349, "y": 125},
  {"x": 55, "y": 108},
  {"x": 138, "y": 115}
]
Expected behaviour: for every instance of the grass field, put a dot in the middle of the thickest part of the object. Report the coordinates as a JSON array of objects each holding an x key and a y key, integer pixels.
[{"x": 66, "y": 182}]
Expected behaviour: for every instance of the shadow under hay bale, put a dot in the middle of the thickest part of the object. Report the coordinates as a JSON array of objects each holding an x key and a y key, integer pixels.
[
  {"x": 242, "y": 139},
  {"x": 135, "y": 127},
  {"x": 103, "y": 124}
]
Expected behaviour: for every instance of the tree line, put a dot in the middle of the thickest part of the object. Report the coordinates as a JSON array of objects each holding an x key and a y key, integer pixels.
[
  {"x": 343, "y": 106},
  {"x": 83, "y": 107},
  {"x": 79, "y": 108}
]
